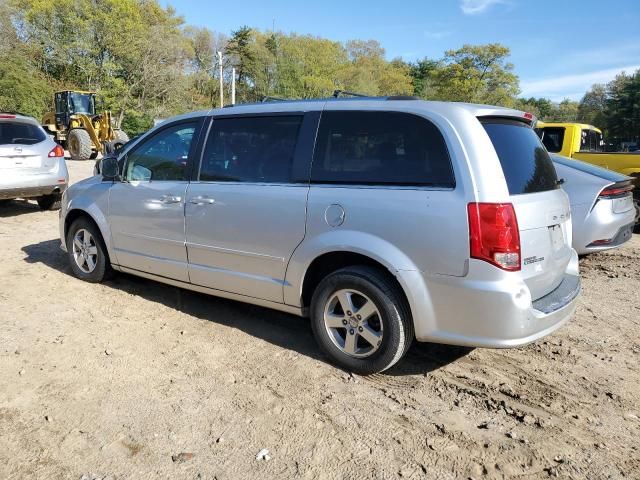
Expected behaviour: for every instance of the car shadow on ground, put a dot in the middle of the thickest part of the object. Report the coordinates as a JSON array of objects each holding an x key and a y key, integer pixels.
[
  {"x": 14, "y": 208},
  {"x": 280, "y": 329}
]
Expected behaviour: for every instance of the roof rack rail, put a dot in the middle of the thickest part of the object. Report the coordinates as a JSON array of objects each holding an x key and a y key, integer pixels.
[
  {"x": 267, "y": 98},
  {"x": 402, "y": 97},
  {"x": 337, "y": 93}
]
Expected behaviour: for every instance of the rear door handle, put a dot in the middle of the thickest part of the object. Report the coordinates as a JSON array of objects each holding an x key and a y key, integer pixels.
[
  {"x": 170, "y": 198},
  {"x": 202, "y": 200}
]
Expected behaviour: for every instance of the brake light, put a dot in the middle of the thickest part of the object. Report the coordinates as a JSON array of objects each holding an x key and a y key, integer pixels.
[
  {"x": 4, "y": 115},
  {"x": 493, "y": 234},
  {"x": 57, "y": 151},
  {"x": 528, "y": 116},
  {"x": 613, "y": 191}
]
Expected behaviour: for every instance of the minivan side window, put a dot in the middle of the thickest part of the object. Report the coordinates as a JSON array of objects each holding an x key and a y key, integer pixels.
[
  {"x": 164, "y": 156},
  {"x": 380, "y": 148},
  {"x": 251, "y": 149}
]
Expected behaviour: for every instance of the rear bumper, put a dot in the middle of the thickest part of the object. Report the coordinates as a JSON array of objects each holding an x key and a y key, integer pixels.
[
  {"x": 493, "y": 313},
  {"x": 31, "y": 192},
  {"x": 600, "y": 223}
]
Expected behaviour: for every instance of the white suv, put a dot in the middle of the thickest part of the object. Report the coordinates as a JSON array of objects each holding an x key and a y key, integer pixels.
[{"x": 31, "y": 164}]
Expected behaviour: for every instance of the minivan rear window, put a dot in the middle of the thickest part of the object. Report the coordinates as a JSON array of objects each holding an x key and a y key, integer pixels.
[
  {"x": 525, "y": 162},
  {"x": 20, "y": 133}
]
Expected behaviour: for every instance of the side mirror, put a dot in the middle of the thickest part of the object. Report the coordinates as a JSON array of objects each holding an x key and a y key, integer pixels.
[{"x": 110, "y": 168}]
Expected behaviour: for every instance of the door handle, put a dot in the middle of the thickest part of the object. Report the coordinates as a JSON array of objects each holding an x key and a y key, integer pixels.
[
  {"x": 202, "y": 200},
  {"x": 169, "y": 198}
]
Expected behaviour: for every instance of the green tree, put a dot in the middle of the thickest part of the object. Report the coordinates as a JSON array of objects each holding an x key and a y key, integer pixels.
[
  {"x": 479, "y": 74},
  {"x": 422, "y": 73},
  {"x": 592, "y": 107}
]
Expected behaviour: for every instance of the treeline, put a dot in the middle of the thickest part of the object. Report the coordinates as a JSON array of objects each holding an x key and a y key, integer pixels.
[{"x": 146, "y": 63}]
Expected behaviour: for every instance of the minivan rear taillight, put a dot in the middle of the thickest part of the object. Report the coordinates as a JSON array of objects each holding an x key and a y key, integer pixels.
[{"x": 493, "y": 234}]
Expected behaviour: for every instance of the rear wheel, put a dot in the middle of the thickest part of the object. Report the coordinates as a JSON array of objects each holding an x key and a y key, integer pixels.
[
  {"x": 79, "y": 144},
  {"x": 86, "y": 251},
  {"x": 360, "y": 320},
  {"x": 50, "y": 202}
]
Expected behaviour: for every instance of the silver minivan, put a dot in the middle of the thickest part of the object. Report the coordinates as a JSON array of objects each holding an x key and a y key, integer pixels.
[{"x": 382, "y": 219}]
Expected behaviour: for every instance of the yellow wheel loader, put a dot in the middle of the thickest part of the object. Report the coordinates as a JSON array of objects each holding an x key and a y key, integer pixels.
[{"x": 76, "y": 126}]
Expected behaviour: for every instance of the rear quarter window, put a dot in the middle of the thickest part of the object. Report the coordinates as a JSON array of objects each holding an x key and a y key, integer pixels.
[
  {"x": 380, "y": 148},
  {"x": 525, "y": 162},
  {"x": 20, "y": 133}
]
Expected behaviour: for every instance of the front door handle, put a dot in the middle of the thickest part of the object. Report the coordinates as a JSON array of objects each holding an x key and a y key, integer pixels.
[
  {"x": 202, "y": 200},
  {"x": 169, "y": 198}
]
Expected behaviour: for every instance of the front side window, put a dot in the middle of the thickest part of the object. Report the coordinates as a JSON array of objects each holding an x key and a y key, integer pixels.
[
  {"x": 552, "y": 138},
  {"x": 380, "y": 148},
  {"x": 251, "y": 149},
  {"x": 163, "y": 157}
]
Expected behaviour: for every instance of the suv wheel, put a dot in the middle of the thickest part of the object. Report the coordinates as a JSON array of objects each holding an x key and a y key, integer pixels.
[
  {"x": 87, "y": 252},
  {"x": 360, "y": 320},
  {"x": 50, "y": 202}
]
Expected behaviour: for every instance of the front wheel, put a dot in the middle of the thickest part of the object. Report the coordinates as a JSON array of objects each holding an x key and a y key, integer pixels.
[
  {"x": 361, "y": 320},
  {"x": 86, "y": 251}
]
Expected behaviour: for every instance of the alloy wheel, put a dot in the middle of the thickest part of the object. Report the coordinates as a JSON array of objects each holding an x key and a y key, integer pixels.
[
  {"x": 353, "y": 323},
  {"x": 85, "y": 251}
]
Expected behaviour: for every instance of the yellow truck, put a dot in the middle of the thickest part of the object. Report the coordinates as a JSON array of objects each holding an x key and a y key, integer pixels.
[{"x": 584, "y": 142}]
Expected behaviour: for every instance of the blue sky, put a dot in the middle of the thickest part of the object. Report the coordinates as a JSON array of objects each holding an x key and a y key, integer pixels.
[{"x": 559, "y": 47}]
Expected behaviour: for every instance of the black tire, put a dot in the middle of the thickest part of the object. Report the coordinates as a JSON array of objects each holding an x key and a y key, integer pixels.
[
  {"x": 79, "y": 144},
  {"x": 121, "y": 137},
  {"x": 102, "y": 268},
  {"x": 50, "y": 202},
  {"x": 394, "y": 318}
]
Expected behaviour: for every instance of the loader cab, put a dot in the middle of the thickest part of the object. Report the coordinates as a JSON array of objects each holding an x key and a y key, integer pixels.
[{"x": 70, "y": 103}]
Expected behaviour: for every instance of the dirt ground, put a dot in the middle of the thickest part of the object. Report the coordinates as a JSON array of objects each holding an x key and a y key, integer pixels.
[{"x": 118, "y": 380}]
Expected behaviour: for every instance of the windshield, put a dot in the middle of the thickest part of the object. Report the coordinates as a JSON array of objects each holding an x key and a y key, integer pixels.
[
  {"x": 81, "y": 103},
  {"x": 525, "y": 162},
  {"x": 19, "y": 133}
]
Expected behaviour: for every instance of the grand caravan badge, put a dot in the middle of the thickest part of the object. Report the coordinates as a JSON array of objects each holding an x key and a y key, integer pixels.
[{"x": 534, "y": 259}]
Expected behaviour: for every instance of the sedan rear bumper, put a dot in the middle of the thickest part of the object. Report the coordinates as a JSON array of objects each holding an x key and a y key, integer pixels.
[{"x": 31, "y": 192}]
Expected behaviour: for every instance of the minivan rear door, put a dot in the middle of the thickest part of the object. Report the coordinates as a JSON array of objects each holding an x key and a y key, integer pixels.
[{"x": 542, "y": 207}]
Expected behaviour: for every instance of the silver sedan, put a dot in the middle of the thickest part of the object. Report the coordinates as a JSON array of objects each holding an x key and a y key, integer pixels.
[
  {"x": 31, "y": 164},
  {"x": 602, "y": 205}
]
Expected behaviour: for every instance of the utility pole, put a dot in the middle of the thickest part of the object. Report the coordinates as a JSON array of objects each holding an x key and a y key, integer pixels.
[
  {"x": 221, "y": 84},
  {"x": 233, "y": 86}
]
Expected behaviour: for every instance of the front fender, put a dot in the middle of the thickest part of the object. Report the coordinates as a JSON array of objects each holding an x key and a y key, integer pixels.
[{"x": 94, "y": 202}]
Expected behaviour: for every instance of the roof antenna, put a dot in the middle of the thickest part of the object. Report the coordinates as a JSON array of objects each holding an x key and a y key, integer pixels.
[{"x": 337, "y": 93}]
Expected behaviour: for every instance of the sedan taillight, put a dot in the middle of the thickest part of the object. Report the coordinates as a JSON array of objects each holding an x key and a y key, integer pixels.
[
  {"x": 57, "y": 151},
  {"x": 493, "y": 234}
]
